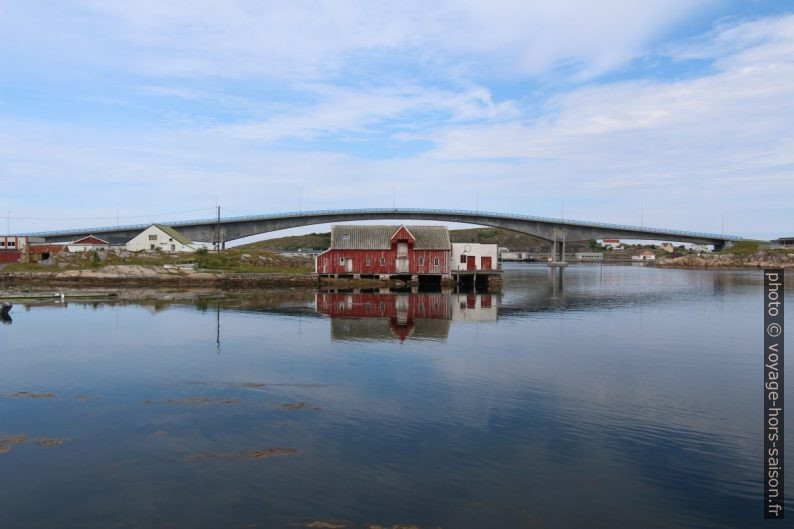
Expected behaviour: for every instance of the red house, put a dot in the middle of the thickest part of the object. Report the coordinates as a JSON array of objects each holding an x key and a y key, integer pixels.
[{"x": 383, "y": 251}]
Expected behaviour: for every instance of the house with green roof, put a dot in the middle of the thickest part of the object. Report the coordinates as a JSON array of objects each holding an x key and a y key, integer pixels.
[{"x": 164, "y": 238}]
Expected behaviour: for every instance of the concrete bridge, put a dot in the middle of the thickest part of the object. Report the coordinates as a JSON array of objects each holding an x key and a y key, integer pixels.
[{"x": 551, "y": 229}]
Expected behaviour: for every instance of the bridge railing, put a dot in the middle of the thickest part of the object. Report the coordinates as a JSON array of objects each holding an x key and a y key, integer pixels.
[{"x": 400, "y": 211}]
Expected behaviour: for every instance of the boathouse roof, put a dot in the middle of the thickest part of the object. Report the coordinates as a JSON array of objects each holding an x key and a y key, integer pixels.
[{"x": 378, "y": 237}]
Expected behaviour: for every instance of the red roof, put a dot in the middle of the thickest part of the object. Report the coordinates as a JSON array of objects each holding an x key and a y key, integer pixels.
[{"x": 90, "y": 239}]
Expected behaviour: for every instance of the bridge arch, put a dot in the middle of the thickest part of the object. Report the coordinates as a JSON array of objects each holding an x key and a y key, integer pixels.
[{"x": 549, "y": 229}]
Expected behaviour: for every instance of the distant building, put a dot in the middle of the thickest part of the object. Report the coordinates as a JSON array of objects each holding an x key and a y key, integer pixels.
[
  {"x": 89, "y": 243},
  {"x": 701, "y": 247},
  {"x": 589, "y": 256},
  {"x": 667, "y": 247},
  {"x": 382, "y": 251},
  {"x": 164, "y": 238},
  {"x": 516, "y": 256},
  {"x": 43, "y": 251},
  {"x": 474, "y": 256},
  {"x": 612, "y": 244},
  {"x": 14, "y": 248},
  {"x": 303, "y": 252},
  {"x": 783, "y": 242},
  {"x": 645, "y": 255}
]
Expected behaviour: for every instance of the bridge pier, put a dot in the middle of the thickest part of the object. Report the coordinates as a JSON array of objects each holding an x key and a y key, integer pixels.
[
  {"x": 724, "y": 246},
  {"x": 557, "y": 254}
]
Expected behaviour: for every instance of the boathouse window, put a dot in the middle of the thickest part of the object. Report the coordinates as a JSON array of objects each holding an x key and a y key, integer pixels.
[
  {"x": 153, "y": 237},
  {"x": 345, "y": 236},
  {"x": 369, "y": 261},
  {"x": 435, "y": 261},
  {"x": 463, "y": 259},
  {"x": 12, "y": 244},
  {"x": 173, "y": 247},
  {"x": 342, "y": 261},
  {"x": 382, "y": 261},
  {"x": 422, "y": 261}
]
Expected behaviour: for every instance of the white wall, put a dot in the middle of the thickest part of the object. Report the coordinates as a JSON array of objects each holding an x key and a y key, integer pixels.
[
  {"x": 477, "y": 250},
  {"x": 163, "y": 241}
]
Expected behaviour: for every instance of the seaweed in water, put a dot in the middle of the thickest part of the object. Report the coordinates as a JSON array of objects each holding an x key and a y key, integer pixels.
[{"x": 247, "y": 454}]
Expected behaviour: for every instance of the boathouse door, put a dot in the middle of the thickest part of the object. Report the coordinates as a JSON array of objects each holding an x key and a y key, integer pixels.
[
  {"x": 348, "y": 264},
  {"x": 471, "y": 262},
  {"x": 486, "y": 263}
]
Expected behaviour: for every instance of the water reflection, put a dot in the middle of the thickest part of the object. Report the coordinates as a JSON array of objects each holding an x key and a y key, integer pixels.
[
  {"x": 626, "y": 399},
  {"x": 401, "y": 315}
]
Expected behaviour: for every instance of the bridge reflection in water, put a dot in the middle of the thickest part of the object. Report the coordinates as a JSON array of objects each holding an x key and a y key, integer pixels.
[{"x": 401, "y": 315}]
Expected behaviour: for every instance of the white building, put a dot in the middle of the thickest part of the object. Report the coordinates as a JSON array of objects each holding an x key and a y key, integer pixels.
[
  {"x": 645, "y": 255},
  {"x": 701, "y": 247},
  {"x": 589, "y": 256},
  {"x": 474, "y": 256},
  {"x": 164, "y": 238},
  {"x": 515, "y": 256},
  {"x": 667, "y": 247},
  {"x": 613, "y": 244}
]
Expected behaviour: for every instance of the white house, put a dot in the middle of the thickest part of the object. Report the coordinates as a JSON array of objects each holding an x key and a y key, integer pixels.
[
  {"x": 474, "y": 256},
  {"x": 164, "y": 238},
  {"x": 645, "y": 255},
  {"x": 613, "y": 244},
  {"x": 667, "y": 247}
]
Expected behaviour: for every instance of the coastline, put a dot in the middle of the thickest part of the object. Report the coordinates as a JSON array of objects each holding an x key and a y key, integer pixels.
[
  {"x": 728, "y": 261},
  {"x": 137, "y": 276}
]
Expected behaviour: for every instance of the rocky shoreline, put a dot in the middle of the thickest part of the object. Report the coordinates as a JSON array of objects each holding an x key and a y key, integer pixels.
[
  {"x": 136, "y": 276},
  {"x": 774, "y": 260}
]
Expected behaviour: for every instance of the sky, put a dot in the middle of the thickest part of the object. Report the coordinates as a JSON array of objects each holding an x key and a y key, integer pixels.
[{"x": 674, "y": 114}]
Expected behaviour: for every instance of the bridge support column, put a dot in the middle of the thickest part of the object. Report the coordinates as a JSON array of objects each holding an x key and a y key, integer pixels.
[
  {"x": 557, "y": 254},
  {"x": 724, "y": 245}
]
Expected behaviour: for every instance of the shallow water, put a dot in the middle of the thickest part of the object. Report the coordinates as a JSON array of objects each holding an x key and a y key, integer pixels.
[{"x": 623, "y": 397}]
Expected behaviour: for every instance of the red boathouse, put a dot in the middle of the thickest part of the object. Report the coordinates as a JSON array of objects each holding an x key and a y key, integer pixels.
[{"x": 384, "y": 251}]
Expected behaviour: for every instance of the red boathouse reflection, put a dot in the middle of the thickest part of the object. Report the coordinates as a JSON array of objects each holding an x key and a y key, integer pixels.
[{"x": 423, "y": 315}]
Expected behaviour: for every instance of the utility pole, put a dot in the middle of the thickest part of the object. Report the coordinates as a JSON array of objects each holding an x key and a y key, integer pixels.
[{"x": 218, "y": 232}]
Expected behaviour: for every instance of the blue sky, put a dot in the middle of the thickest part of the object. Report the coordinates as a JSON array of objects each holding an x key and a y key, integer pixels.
[{"x": 681, "y": 110}]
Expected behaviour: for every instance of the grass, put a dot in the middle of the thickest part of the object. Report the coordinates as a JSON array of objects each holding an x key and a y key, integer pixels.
[
  {"x": 232, "y": 260},
  {"x": 743, "y": 248}
]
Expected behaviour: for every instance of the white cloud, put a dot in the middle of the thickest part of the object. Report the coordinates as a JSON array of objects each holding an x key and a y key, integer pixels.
[
  {"x": 316, "y": 39},
  {"x": 360, "y": 112},
  {"x": 687, "y": 148}
]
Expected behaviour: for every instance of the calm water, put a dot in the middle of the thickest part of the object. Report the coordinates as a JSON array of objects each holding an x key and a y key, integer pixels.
[{"x": 628, "y": 397}]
